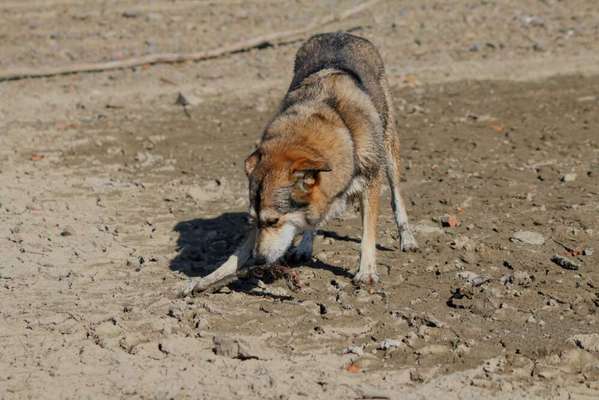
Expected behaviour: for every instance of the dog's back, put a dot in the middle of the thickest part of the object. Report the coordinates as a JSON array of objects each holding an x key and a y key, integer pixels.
[{"x": 352, "y": 54}]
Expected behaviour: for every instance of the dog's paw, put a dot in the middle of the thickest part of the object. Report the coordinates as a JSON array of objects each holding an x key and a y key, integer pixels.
[
  {"x": 407, "y": 241},
  {"x": 298, "y": 254},
  {"x": 365, "y": 278}
]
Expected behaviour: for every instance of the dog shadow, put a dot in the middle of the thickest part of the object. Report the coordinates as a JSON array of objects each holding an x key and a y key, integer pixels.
[
  {"x": 205, "y": 243},
  {"x": 344, "y": 238}
]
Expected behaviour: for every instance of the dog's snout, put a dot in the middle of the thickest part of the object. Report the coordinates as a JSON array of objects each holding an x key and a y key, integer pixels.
[{"x": 268, "y": 218}]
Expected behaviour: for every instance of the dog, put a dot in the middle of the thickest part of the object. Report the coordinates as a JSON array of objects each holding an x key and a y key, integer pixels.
[{"x": 332, "y": 140}]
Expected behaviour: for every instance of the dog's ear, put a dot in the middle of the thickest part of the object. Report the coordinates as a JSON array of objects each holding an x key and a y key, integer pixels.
[
  {"x": 305, "y": 164},
  {"x": 251, "y": 162}
]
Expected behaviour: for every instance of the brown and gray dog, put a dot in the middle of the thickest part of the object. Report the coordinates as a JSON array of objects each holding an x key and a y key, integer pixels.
[{"x": 332, "y": 140}]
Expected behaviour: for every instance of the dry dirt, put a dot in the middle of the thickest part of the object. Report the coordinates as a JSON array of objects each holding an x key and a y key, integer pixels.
[{"x": 112, "y": 196}]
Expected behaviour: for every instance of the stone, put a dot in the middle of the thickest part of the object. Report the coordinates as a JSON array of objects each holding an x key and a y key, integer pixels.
[
  {"x": 233, "y": 348},
  {"x": 585, "y": 99},
  {"x": 67, "y": 231},
  {"x": 427, "y": 229},
  {"x": 357, "y": 350},
  {"x": 571, "y": 177},
  {"x": 527, "y": 237},
  {"x": 389, "y": 344},
  {"x": 565, "y": 263},
  {"x": 588, "y": 342},
  {"x": 472, "y": 278},
  {"x": 131, "y": 14}
]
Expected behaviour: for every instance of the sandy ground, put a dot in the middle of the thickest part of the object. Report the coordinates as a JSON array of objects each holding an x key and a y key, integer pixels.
[{"x": 111, "y": 197}]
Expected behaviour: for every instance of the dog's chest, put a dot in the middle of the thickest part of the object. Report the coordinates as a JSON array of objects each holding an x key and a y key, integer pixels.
[
  {"x": 356, "y": 186},
  {"x": 339, "y": 204}
]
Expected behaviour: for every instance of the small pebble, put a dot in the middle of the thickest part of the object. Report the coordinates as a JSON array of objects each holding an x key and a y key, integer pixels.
[
  {"x": 565, "y": 263},
  {"x": 472, "y": 278},
  {"x": 588, "y": 342},
  {"x": 389, "y": 344},
  {"x": 571, "y": 177},
  {"x": 357, "y": 350},
  {"x": 528, "y": 237},
  {"x": 67, "y": 231},
  {"x": 130, "y": 14},
  {"x": 474, "y": 48}
]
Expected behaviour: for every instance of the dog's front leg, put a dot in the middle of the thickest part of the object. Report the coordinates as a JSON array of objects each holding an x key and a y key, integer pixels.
[
  {"x": 303, "y": 251},
  {"x": 228, "y": 270},
  {"x": 369, "y": 207}
]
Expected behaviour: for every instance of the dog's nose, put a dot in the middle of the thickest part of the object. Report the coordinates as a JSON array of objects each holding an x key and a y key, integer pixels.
[
  {"x": 259, "y": 260},
  {"x": 268, "y": 218},
  {"x": 272, "y": 221}
]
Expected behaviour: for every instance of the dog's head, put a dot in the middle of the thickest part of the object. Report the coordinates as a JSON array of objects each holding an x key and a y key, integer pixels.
[{"x": 285, "y": 194}]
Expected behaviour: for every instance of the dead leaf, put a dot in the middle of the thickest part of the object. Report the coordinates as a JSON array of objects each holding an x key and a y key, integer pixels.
[
  {"x": 353, "y": 368},
  {"x": 63, "y": 125},
  {"x": 450, "y": 221},
  {"x": 410, "y": 80},
  {"x": 575, "y": 252},
  {"x": 37, "y": 157},
  {"x": 168, "y": 81},
  {"x": 497, "y": 127}
]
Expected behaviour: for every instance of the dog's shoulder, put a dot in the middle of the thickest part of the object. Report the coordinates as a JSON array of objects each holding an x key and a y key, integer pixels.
[{"x": 353, "y": 55}]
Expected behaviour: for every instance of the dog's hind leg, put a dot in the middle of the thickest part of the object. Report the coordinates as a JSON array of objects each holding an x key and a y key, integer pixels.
[
  {"x": 406, "y": 237},
  {"x": 369, "y": 207}
]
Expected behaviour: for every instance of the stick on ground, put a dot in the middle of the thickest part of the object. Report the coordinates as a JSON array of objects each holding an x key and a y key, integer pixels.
[{"x": 170, "y": 58}]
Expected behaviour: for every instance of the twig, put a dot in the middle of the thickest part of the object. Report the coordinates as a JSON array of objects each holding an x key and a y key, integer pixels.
[
  {"x": 565, "y": 246},
  {"x": 170, "y": 58}
]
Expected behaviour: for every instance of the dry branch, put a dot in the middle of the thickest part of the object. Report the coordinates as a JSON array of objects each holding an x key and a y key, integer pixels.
[{"x": 170, "y": 58}]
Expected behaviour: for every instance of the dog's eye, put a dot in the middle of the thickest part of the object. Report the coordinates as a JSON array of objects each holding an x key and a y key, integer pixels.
[{"x": 305, "y": 180}]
